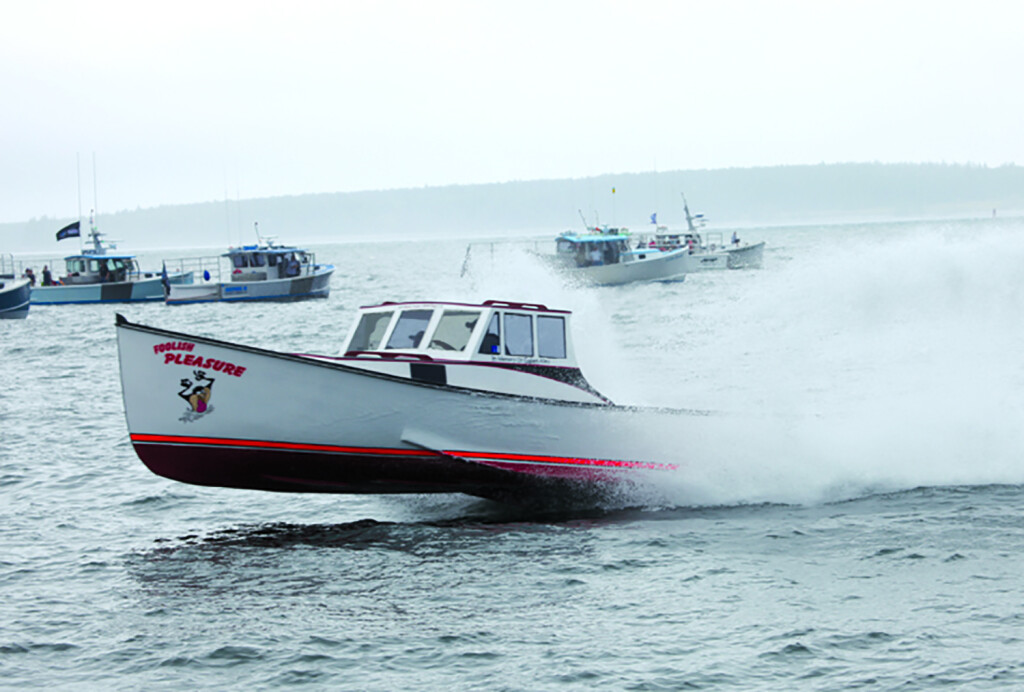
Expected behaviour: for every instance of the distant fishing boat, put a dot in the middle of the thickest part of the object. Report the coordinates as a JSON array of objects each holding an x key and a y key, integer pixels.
[
  {"x": 99, "y": 275},
  {"x": 606, "y": 257},
  {"x": 264, "y": 271},
  {"x": 708, "y": 251}
]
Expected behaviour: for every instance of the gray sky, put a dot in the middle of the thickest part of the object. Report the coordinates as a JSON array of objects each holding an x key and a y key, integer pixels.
[{"x": 194, "y": 101}]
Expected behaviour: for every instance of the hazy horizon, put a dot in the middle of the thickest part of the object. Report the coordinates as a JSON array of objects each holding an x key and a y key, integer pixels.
[{"x": 224, "y": 100}]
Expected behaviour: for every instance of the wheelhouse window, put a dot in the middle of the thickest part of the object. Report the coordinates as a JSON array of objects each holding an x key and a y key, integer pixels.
[
  {"x": 370, "y": 331},
  {"x": 408, "y": 332},
  {"x": 491, "y": 343},
  {"x": 518, "y": 335},
  {"x": 454, "y": 329},
  {"x": 550, "y": 336}
]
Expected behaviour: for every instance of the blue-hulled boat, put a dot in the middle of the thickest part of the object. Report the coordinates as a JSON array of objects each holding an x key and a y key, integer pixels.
[{"x": 14, "y": 298}]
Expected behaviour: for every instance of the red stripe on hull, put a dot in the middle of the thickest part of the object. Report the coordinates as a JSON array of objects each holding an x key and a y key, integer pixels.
[{"x": 302, "y": 467}]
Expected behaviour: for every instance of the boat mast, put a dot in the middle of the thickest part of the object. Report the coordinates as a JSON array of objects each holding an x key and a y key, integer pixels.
[
  {"x": 78, "y": 176},
  {"x": 689, "y": 218}
]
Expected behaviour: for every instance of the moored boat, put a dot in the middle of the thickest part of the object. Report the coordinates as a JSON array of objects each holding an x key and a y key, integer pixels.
[
  {"x": 100, "y": 275},
  {"x": 264, "y": 271},
  {"x": 484, "y": 399}
]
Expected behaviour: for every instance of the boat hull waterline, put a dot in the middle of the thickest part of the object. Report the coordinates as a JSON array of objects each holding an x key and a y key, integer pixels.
[
  {"x": 145, "y": 289},
  {"x": 213, "y": 413},
  {"x": 316, "y": 285},
  {"x": 657, "y": 266}
]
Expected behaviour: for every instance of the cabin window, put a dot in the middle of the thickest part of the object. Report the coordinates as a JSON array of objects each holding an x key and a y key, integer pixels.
[
  {"x": 550, "y": 337},
  {"x": 491, "y": 342},
  {"x": 370, "y": 331},
  {"x": 408, "y": 332},
  {"x": 518, "y": 335},
  {"x": 454, "y": 329}
]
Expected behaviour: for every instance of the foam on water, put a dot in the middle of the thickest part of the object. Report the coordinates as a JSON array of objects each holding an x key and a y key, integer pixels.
[{"x": 877, "y": 361}]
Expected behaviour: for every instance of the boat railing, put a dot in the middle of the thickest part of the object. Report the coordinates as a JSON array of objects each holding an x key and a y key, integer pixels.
[
  {"x": 219, "y": 269},
  {"x": 206, "y": 269}
]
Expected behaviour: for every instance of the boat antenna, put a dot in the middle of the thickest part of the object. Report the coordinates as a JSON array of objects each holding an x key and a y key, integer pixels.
[{"x": 78, "y": 175}]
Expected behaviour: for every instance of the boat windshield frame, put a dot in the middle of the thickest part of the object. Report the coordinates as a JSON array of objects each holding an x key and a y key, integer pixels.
[{"x": 433, "y": 330}]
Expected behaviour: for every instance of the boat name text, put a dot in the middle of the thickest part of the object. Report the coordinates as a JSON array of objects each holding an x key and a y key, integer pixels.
[
  {"x": 173, "y": 346},
  {"x": 194, "y": 360}
]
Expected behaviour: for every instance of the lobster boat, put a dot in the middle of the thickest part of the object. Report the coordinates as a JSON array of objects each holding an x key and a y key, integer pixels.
[{"x": 428, "y": 397}]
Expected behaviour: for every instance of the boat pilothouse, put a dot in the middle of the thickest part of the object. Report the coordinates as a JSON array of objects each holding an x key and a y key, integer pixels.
[{"x": 520, "y": 349}]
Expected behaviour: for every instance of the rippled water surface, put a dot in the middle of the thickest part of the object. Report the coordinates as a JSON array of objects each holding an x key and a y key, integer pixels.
[{"x": 863, "y": 529}]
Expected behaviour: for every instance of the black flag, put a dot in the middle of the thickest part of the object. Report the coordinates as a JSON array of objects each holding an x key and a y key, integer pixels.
[{"x": 69, "y": 231}]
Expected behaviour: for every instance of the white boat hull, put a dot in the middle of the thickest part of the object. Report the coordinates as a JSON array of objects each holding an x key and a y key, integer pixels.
[
  {"x": 746, "y": 256},
  {"x": 315, "y": 285},
  {"x": 213, "y": 413},
  {"x": 657, "y": 266},
  {"x": 111, "y": 292}
]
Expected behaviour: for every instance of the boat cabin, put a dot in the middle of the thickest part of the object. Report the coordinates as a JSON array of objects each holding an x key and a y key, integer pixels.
[
  {"x": 493, "y": 331},
  {"x": 263, "y": 262},
  {"x": 594, "y": 249},
  {"x": 99, "y": 268}
]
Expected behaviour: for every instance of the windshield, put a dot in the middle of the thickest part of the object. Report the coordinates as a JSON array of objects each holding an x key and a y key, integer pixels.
[
  {"x": 408, "y": 332},
  {"x": 454, "y": 329},
  {"x": 370, "y": 331}
]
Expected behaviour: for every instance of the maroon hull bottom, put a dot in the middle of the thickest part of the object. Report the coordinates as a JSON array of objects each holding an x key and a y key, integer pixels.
[{"x": 319, "y": 472}]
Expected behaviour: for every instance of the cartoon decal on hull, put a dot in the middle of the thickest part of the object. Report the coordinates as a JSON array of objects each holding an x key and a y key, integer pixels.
[
  {"x": 198, "y": 390},
  {"x": 197, "y": 393}
]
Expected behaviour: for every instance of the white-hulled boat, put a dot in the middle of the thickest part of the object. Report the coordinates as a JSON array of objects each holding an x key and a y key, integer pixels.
[
  {"x": 606, "y": 257},
  {"x": 14, "y": 297},
  {"x": 97, "y": 275},
  {"x": 264, "y": 271},
  {"x": 707, "y": 252},
  {"x": 482, "y": 399}
]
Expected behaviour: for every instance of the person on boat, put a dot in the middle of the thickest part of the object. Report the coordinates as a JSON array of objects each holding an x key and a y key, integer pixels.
[
  {"x": 735, "y": 238},
  {"x": 47, "y": 276},
  {"x": 30, "y": 275}
]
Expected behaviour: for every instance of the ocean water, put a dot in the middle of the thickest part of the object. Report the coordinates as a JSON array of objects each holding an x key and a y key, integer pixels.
[{"x": 863, "y": 529}]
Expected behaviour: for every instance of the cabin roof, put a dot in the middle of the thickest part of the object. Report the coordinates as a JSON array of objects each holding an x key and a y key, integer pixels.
[
  {"x": 494, "y": 304},
  {"x": 596, "y": 238},
  {"x": 104, "y": 256},
  {"x": 275, "y": 250}
]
